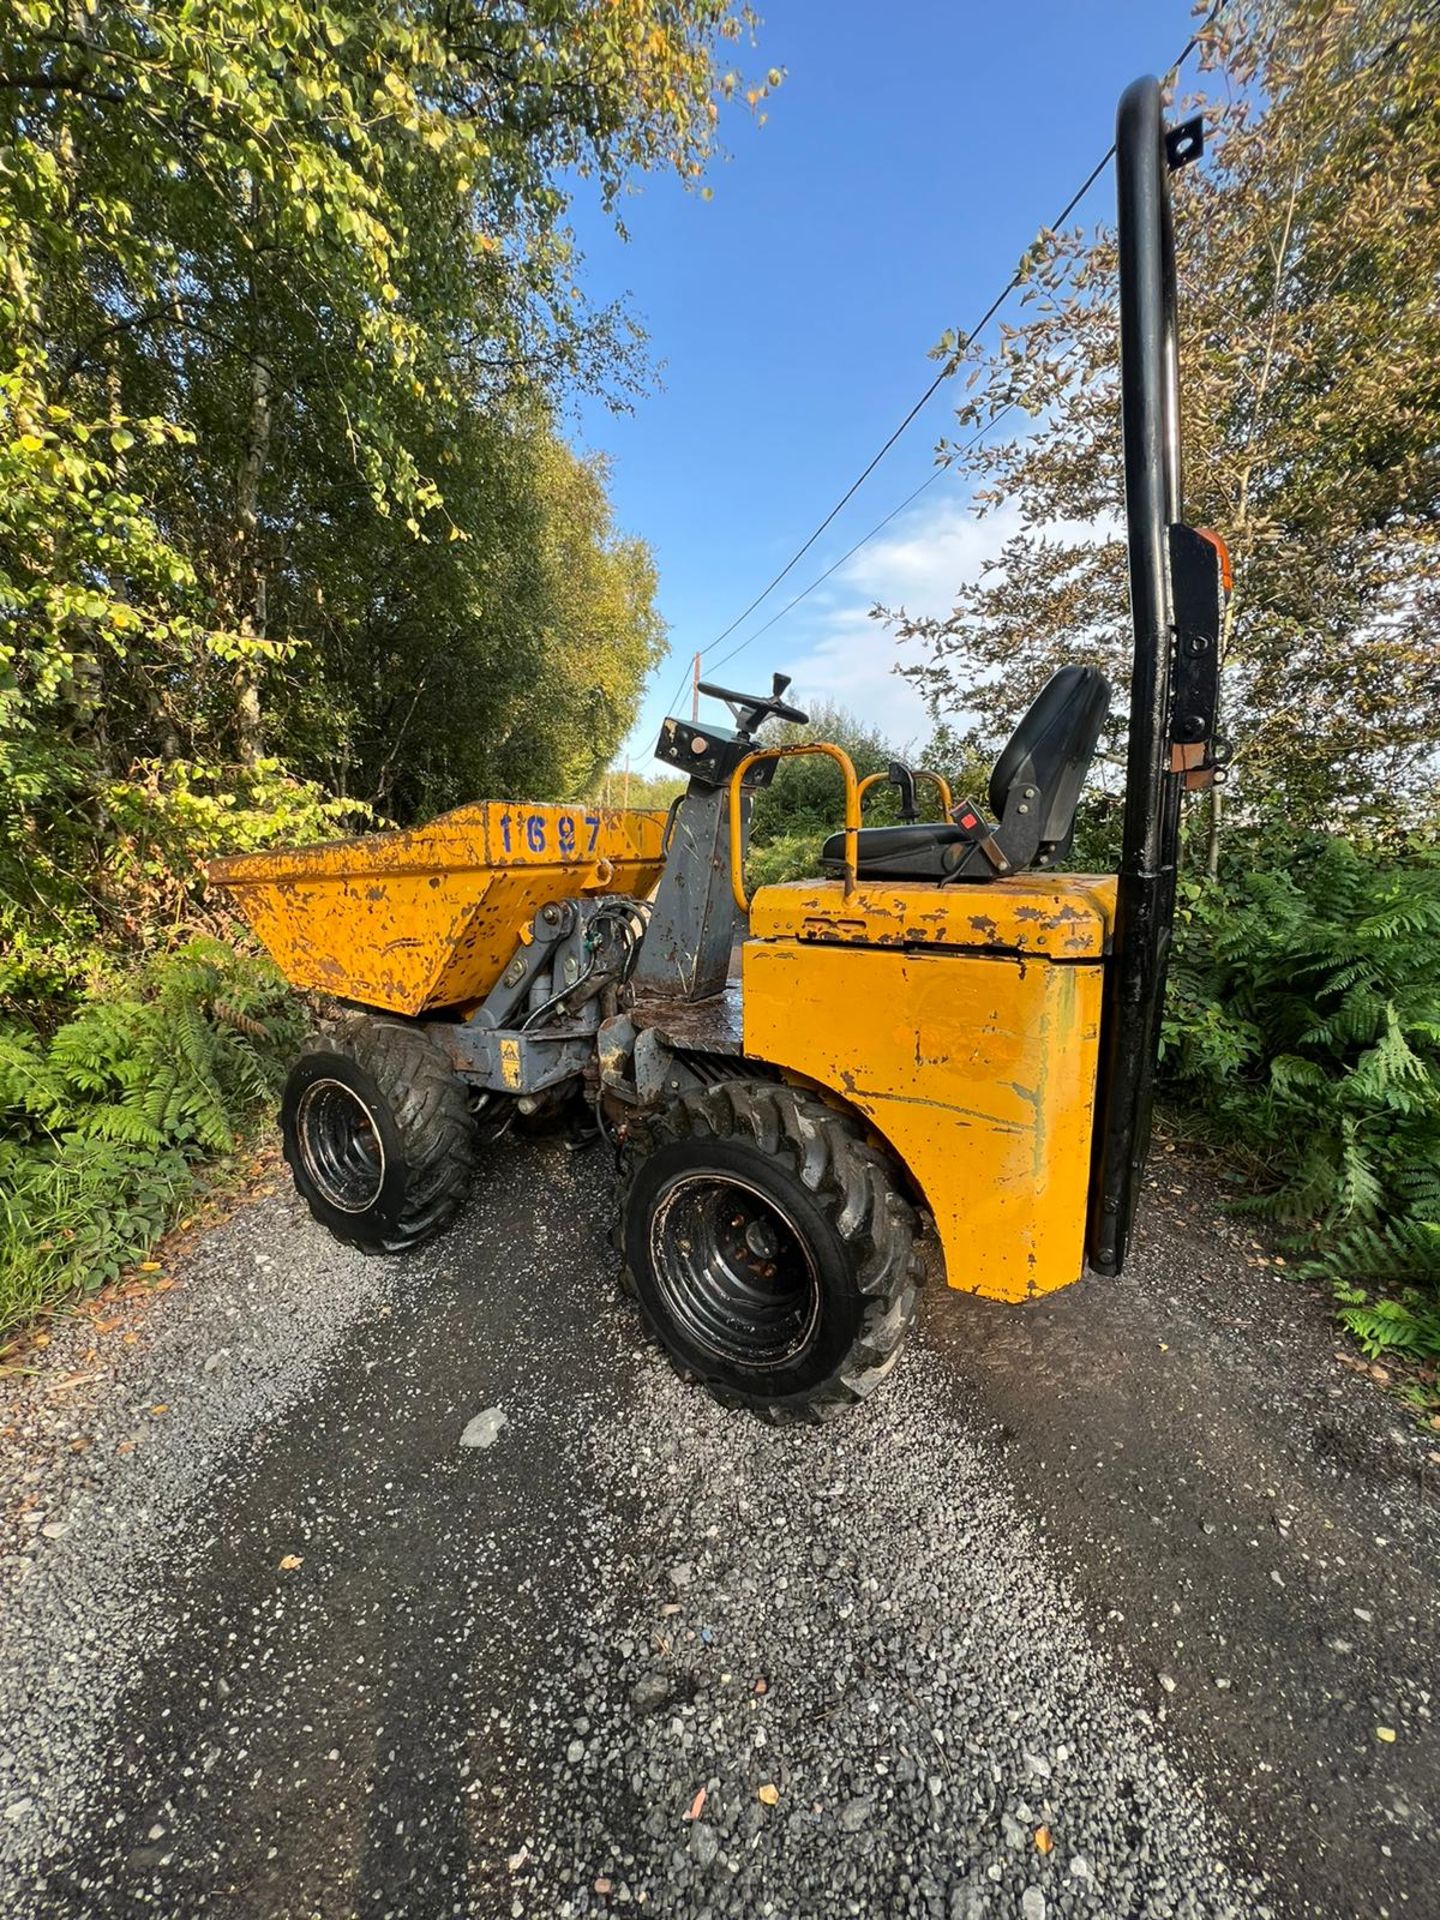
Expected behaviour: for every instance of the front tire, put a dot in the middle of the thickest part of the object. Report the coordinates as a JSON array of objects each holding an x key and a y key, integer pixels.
[
  {"x": 377, "y": 1133},
  {"x": 770, "y": 1250}
]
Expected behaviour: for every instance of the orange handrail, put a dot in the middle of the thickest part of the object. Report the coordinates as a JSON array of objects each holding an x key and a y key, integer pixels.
[
  {"x": 852, "y": 810},
  {"x": 938, "y": 780}
]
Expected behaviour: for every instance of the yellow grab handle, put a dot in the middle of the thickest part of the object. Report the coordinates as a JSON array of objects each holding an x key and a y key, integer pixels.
[
  {"x": 852, "y": 809},
  {"x": 937, "y": 780}
]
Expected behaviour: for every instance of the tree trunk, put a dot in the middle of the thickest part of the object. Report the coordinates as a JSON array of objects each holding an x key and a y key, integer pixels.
[
  {"x": 1227, "y": 629},
  {"x": 253, "y": 609},
  {"x": 1212, "y": 839}
]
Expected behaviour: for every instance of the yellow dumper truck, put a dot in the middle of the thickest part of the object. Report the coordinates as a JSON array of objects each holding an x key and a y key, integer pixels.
[{"x": 942, "y": 1026}]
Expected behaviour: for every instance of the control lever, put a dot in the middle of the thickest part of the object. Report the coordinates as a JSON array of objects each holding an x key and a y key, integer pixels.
[{"x": 901, "y": 777}]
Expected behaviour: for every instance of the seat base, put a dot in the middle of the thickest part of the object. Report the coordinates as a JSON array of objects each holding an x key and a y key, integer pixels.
[{"x": 917, "y": 852}]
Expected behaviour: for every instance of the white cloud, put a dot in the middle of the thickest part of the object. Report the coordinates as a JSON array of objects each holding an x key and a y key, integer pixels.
[
  {"x": 835, "y": 651},
  {"x": 830, "y": 646}
]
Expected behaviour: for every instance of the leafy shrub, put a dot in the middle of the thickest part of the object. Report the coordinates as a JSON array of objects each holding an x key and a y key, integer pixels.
[
  {"x": 788, "y": 856},
  {"x": 141, "y": 843},
  {"x": 1304, "y": 1025},
  {"x": 168, "y": 818},
  {"x": 74, "y": 1214},
  {"x": 1407, "y": 1326},
  {"x": 806, "y": 803},
  {"x": 101, "y": 1123}
]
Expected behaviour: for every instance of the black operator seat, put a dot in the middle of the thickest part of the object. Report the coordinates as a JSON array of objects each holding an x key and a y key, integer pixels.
[{"x": 1034, "y": 792}]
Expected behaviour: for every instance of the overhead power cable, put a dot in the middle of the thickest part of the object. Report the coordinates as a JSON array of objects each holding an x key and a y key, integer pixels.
[
  {"x": 952, "y": 362},
  {"x": 950, "y": 366},
  {"x": 820, "y": 579},
  {"x": 864, "y": 540}
]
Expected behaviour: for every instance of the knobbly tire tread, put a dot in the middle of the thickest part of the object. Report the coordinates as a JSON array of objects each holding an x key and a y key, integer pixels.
[
  {"x": 855, "y": 1183},
  {"x": 430, "y": 1107}
]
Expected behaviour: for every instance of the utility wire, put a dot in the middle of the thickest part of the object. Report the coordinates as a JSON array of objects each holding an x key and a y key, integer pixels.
[
  {"x": 952, "y": 362},
  {"x": 820, "y": 579},
  {"x": 950, "y": 366},
  {"x": 864, "y": 540}
]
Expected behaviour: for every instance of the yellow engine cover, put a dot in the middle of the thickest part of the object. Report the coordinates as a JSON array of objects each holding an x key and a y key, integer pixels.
[{"x": 964, "y": 1023}]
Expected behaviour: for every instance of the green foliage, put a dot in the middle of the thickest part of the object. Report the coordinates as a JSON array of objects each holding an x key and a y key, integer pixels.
[
  {"x": 616, "y": 788},
  {"x": 101, "y": 1123},
  {"x": 1407, "y": 1327},
  {"x": 288, "y": 305},
  {"x": 289, "y": 541},
  {"x": 81, "y": 893},
  {"x": 74, "y": 1217},
  {"x": 502, "y": 665},
  {"x": 794, "y": 855},
  {"x": 806, "y": 796},
  {"x": 166, "y": 1060},
  {"x": 1303, "y": 1023},
  {"x": 1308, "y": 253},
  {"x": 806, "y": 802}
]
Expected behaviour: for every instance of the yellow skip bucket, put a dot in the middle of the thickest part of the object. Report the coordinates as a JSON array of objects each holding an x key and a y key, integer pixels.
[{"x": 427, "y": 919}]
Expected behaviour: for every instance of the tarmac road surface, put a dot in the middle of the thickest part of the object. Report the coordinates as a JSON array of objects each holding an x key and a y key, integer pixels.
[{"x": 1118, "y": 1605}]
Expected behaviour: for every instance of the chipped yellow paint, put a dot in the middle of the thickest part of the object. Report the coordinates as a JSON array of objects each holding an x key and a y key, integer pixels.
[
  {"x": 1063, "y": 916},
  {"x": 972, "y": 1049},
  {"x": 429, "y": 918}
]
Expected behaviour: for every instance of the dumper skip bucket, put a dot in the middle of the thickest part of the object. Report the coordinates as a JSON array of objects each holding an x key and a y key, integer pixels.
[{"x": 426, "y": 920}]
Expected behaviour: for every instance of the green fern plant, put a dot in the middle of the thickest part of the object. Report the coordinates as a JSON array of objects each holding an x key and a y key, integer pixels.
[
  {"x": 194, "y": 1042},
  {"x": 1304, "y": 1027},
  {"x": 100, "y": 1124},
  {"x": 1408, "y": 1326},
  {"x": 73, "y": 1216}
]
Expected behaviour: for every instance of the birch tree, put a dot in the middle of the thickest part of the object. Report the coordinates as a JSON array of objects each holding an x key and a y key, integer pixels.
[{"x": 1309, "y": 251}]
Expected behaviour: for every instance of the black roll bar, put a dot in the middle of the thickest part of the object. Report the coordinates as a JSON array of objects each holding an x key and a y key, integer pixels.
[{"x": 1145, "y": 907}]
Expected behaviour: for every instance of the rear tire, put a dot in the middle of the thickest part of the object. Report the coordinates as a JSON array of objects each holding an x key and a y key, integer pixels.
[
  {"x": 770, "y": 1250},
  {"x": 377, "y": 1132}
]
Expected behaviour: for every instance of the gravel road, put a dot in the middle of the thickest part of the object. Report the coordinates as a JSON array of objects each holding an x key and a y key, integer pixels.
[{"x": 1097, "y": 1609}]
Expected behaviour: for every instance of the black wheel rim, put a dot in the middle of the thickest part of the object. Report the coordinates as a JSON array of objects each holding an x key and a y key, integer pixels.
[
  {"x": 736, "y": 1273},
  {"x": 340, "y": 1145}
]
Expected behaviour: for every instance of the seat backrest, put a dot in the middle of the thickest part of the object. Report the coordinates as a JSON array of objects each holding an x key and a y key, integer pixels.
[{"x": 1051, "y": 750}]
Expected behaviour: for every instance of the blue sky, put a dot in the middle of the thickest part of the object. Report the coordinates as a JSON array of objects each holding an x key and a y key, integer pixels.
[{"x": 905, "y": 164}]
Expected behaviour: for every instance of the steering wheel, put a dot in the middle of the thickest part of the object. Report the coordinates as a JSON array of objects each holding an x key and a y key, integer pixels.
[{"x": 752, "y": 710}]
